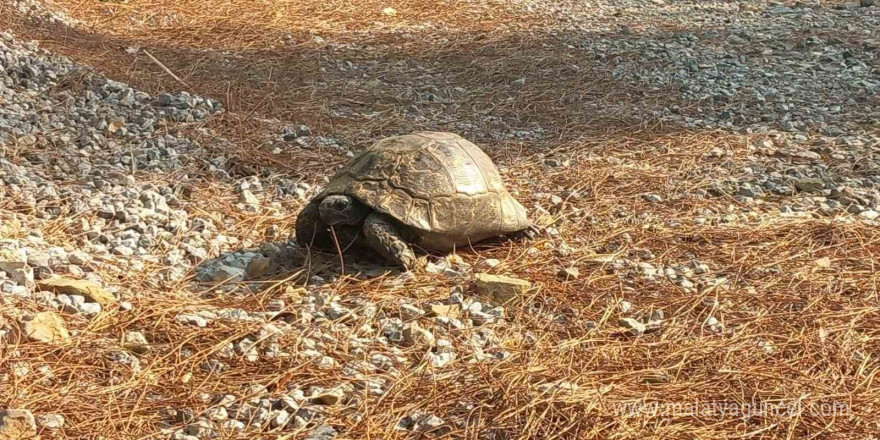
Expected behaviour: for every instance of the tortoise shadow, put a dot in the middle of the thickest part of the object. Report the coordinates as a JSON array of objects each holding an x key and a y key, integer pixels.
[{"x": 286, "y": 260}]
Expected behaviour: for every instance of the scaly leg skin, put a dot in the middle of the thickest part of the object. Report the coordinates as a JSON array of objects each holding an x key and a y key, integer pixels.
[
  {"x": 310, "y": 230},
  {"x": 384, "y": 237}
]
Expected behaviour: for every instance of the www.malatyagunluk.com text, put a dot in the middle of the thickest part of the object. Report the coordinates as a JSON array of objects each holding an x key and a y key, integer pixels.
[{"x": 715, "y": 409}]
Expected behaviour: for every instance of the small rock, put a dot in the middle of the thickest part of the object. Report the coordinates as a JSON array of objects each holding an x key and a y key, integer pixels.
[
  {"x": 226, "y": 400},
  {"x": 123, "y": 250},
  {"x": 79, "y": 258},
  {"x": 275, "y": 305},
  {"x": 657, "y": 316},
  {"x": 328, "y": 397},
  {"x": 809, "y": 185},
  {"x": 569, "y": 274},
  {"x": 335, "y": 311},
  {"x": 289, "y": 403},
  {"x": 20, "y": 370},
  {"x": 767, "y": 347},
  {"x": 448, "y": 310},
  {"x": 201, "y": 429},
  {"x": 279, "y": 418},
  {"x": 554, "y": 162},
  {"x": 20, "y": 273},
  {"x": 44, "y": 298},
  {"x": 89, "y": 308},
  {"x": 217, "y": 414},
  {"x": 869, "y": 214},
  {"x": 136, "y": 342},
  {"x": 125, "y": 358},
  {"x": 190, "y": 319},
  {"x": 430, "y": 424},
  {"x": 414, "y": 334},
  {"x": 714, "y": 324},
  {"x": 326, "y": 363},
  {"x": 500, "y": 288},
  {"x": 440, "y": 360},
  {"x": 480, "y": 318},
  {"x": 700, "y": 268},
  {"x": 184, "y": 415},
  {"x": 653, "y": 198},
  {"x": 635, "y": 327},
  {"x": 437, "y": 268},
  {"x": 563, "y": 250},
  {"x": 182, "y": 435},
  {"x": 45, "y": 327},
  {"x": 51, "y": 421},
  {"x": 233, "y": 425},
  {"x": 709, "y": 302},
  {"x": 410, "y": 312},
  {"x": 323, "y": 432},
  {"x": 258, "y": 267},
  {"x": 17, "y": 424},
  {"x": 86, "y": 288},
  {"x": 492, "y": 262},
  {"x": 224, "y": 273},
  {"x": 259, "y": 416},
  {"x": 248, "y": 198},
  {"x": 475, "y": 307}
]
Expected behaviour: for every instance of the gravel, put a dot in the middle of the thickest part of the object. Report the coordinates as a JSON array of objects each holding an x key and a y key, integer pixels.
[{"x": 78, "y": 125}]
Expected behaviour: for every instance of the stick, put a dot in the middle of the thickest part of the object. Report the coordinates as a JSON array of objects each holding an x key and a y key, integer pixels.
[
  {"x": 338, "y": 250},
  {"x": 167, "y": 70}
]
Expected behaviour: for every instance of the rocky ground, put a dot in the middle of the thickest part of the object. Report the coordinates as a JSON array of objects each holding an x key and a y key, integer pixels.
[{"x": 705, "y": 174}]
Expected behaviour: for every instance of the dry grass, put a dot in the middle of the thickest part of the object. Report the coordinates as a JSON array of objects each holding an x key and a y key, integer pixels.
[{"x": 820, "y": 318}]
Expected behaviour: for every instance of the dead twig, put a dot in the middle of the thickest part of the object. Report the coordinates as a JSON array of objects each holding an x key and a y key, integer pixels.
[{"x": 166, "y": 69}]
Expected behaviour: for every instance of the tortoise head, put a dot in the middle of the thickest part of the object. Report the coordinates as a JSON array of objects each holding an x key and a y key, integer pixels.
[{"x": 342, "y": 210}]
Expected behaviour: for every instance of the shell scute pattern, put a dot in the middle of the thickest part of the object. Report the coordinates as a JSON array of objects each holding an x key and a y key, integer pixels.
[
  {"x": 463, "y": 171},
  {"x": 438, "y": 183}
]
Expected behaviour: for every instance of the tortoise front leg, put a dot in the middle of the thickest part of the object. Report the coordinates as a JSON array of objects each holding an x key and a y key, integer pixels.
[
  {"x": 348, "y": 236},
  {"x": 384, "y": 237},
  {"x": 527, "y": 234},
  {"x": 310, "y": 230}
]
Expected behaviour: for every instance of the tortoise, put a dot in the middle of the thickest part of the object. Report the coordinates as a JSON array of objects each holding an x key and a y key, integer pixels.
[{"x": 434, "y": 190}]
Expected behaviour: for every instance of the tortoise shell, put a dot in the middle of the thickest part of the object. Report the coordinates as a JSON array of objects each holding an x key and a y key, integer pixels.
[{"x": 439, "y": 184}]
